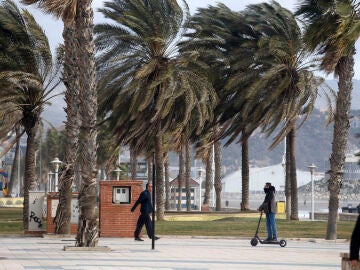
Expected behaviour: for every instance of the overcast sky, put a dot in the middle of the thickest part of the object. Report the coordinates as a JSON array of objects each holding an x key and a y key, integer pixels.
[{"x": 53, "y": 27}]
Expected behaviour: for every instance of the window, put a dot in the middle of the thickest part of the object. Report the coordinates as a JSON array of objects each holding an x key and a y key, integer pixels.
[{"x": 121, "y": 195}]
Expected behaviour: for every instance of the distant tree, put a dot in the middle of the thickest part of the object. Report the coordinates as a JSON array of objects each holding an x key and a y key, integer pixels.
[{"x": 287, "y": 86}]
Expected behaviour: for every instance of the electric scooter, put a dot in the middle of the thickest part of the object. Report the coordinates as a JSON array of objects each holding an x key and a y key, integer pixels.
[{"x": 256, "y": 239}]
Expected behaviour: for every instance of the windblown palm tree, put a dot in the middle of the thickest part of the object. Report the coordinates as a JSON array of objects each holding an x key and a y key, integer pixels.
[
  {"x": 79, "y": 77},
  {"x": 285, "y": 85},
  {"x": 332, "y": 28},
  {"x": 213, "y": 37},
  {"x": 28, "y": 76},
  {"x": 142, "y": 75}
]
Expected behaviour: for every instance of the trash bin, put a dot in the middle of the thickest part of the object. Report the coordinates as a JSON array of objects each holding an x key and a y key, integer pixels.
[
  {"x": 226, "y": 203},
  {"x": 280, "y": 207}
]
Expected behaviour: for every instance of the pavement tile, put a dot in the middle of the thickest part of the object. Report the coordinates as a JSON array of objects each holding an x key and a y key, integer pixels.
[{"x": 171, "y": 253}]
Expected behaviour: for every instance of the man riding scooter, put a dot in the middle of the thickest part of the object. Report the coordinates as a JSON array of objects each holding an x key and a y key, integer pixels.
[{"x": 269, "y": 208}]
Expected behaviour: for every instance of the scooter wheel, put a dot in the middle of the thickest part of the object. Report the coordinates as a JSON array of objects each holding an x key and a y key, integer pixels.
[
  {"x": 282, "y": 243},
  {"x": 254, "y": 242}
]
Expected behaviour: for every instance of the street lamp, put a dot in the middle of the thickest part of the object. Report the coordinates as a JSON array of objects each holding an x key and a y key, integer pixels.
[
  {"x": 56, "y": 164},
  {"x": 117, "y": 171},
  {"x": 49, "y": 184},
  {"x": 312, "y": 170}
]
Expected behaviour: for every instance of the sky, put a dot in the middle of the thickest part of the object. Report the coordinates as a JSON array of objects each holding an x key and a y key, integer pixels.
[{"x": 53, "y": 27}]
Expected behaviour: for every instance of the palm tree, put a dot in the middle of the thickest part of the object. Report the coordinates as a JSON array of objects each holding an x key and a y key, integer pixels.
[
  {"x": 214, "y": 50},
  {"x": 167, "y": 180},
  {"x": 281, "y": 82},
  {"x": 79, "y": 15},
  {"x": 143, "y": 79},
  {"x": 187, "y": 172},
  {"x": 16, "y": 163},
  {"x": 217, "y": 174},
  {"x": 66, "y": 11},
  {"x": 181, "y": 175},
  {"x": 133, "y": 161},
  {"x": 208, "y": 174},
  {"x": 63, "y": 212},
  {"x": 332, "y": 30},
  {"x": 85, "y": 51},
  {"x": 28, "y": 77}
]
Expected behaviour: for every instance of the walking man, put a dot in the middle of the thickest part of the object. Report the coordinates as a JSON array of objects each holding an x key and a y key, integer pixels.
[
  {"x": 355, "y": 245},
  {"x": 145, "y": 211}
]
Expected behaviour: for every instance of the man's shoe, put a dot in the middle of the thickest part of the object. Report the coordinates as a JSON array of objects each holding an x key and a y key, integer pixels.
[
  {"x": 138, "y": 239},
  {"x": 274, "y": 239},
  {"x": 156, "y": 238},
  {"x": 268, "y": 239}
]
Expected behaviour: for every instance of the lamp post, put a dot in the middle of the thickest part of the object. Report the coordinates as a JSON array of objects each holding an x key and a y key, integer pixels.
[
  {"x": 117, "y": 171},
  {"x": 56, "y": 164},
  {"x": 312, "y": 170},
  {"x": 49, "y": 183}
]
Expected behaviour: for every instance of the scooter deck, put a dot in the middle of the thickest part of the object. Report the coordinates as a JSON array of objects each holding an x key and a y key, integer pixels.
[{"x": 270, "y": 242}]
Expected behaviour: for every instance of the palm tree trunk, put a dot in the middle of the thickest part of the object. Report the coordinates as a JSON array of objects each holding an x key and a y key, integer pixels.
[
  {"x": 133, "y": 162},
  {"x": 167, "y": 181},
  {"x": 70, "y": 78},
  {"x": 288, "y": 178},
  {"x": 29, "y": 176},
  {"x": 159, "y": 165},
  {"x": 217, "y": 176},
  {"x": 187, "y": 174},
  {"x": 340, "y": 137},
  {"x": 87, "y": 235},
  {"x": 181, "y": 175},
  {"x": 16, "y": 163},
  {"x": 245, "y": 174},
  {"x": 208, "y": 176},
  {"x": 294, "y": 191},
  {"x": 149, "y": 168}
]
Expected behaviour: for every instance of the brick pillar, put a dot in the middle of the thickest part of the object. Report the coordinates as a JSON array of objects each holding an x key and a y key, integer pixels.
[{"x": 116, "y": 219}]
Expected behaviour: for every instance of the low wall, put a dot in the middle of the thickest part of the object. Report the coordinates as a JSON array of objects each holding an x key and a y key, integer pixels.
[
  {"x": 12, "y": 202},
  {"x": 341, "y": 216}
]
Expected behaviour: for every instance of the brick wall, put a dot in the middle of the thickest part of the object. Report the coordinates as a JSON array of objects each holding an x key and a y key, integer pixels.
[{"x": 116, "y": 220}]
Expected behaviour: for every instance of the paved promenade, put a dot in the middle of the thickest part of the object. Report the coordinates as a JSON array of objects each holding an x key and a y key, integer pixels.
[{"x": 176, "y": 253}]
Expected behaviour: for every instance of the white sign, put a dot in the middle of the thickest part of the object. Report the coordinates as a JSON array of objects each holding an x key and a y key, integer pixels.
[
  {"x": 36, "y": 206},
  {"x": 74, "y": 209}
]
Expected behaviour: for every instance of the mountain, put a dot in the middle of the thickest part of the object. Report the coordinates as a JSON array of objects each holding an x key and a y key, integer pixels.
[{"x": 312, "y": 145}]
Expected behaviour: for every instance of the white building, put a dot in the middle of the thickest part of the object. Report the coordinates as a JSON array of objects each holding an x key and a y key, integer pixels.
[{"x": 259, "y": 176}]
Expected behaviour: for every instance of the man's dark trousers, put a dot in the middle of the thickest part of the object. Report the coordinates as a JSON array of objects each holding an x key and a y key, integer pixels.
[{"x": 143, "y": 219}]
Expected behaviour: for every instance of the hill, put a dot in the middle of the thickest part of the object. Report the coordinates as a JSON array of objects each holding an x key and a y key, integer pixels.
[{"x": 313, "y": 145}]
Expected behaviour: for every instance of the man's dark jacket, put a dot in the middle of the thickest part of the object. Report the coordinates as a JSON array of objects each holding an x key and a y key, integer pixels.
[
  {"x": 145, "y": 201},
  {"x": 355, "y": 241}
]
